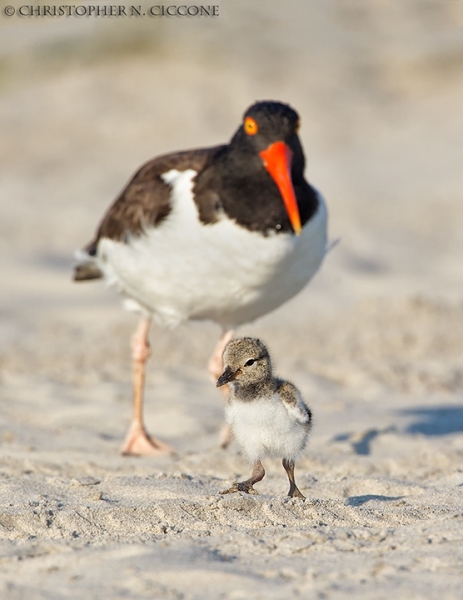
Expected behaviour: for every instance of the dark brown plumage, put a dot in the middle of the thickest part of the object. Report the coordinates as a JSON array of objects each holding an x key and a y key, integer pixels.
[{"x": 145, "y": 200}]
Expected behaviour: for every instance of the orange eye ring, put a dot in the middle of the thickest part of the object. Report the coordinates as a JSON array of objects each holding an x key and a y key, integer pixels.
[{"x": 250, "y": 126}]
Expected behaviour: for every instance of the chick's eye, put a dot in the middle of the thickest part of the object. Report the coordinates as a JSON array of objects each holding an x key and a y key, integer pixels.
[
  {"x": 250, "y": 126},
  {"x": 249, "y": 362}
]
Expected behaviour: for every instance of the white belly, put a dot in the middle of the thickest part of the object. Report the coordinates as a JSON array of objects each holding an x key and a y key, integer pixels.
[
  {"x": 183, "y": 269},
  {"x": 263, "y": 427}
]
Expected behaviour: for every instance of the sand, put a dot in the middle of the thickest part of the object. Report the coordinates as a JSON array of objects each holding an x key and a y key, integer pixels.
[{"x": 375, "y": 343}]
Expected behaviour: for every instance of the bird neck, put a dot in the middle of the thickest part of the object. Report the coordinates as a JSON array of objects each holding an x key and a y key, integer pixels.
[
  {"x": 248, "y": 194},
  {"x": 251, "y": 391}
]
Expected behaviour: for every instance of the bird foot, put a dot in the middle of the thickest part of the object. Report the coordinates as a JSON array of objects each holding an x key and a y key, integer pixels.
[
  {"x": 139, "y": 443},
  {"x": 242, "y": 486},
  {"x": 296, "y": 494}
]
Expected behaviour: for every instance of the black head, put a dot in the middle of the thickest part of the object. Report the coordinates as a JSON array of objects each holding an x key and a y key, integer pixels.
[
  {"x": 265, "y": 123},
  {"x": 266, "y": 144},
  {"x": 258, "y": 178}
]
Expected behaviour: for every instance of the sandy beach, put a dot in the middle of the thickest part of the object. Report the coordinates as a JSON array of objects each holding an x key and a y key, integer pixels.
[{"x": 374, "y": 343}]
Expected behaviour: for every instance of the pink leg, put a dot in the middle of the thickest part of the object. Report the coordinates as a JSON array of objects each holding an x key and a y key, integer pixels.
[
  {"x": 215, "y": 366},
  {"x": 137, "y": 441}
]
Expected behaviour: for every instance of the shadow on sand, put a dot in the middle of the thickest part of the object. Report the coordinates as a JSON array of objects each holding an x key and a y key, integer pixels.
[
  {"x": 439, "y": 420},
  {"x": 359, "y": 500}
]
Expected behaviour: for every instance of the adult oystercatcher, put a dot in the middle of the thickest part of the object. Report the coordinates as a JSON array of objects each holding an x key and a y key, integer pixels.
[
  {"x": 267, "y": 415},
  {"x": 227, "y": 233}
]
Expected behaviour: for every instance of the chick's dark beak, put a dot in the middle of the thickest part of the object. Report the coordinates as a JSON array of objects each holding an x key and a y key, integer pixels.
[{"x": 227, "y": 376}]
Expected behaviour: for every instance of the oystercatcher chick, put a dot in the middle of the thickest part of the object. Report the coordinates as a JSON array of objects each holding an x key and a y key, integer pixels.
[
  {"x": 267, "y": 415},
  {"x": 227, "y": 233}
]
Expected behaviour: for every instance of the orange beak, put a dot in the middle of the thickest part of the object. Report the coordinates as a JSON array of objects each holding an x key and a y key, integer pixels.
[{"x": 277, "y": 160}]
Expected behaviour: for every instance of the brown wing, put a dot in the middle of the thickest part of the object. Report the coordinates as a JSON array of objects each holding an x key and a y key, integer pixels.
[
  {"x": 144, "y": 201},
  {"x": 146, "y": 198},
  {"x": 292, "y": 397}
]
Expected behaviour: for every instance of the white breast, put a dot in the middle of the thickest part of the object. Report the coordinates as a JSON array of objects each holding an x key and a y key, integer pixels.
[
  {"x": 183, "y": 269},
  {"x": 264, "y": 427}
]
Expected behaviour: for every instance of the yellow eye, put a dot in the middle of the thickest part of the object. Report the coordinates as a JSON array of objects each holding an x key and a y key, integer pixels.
[
  {"x": 298, "y": 126},
  {"x": 250, "y": 126}
]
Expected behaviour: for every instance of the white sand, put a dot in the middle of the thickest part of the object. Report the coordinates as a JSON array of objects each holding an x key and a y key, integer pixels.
[{"x": 375, "y": 343}]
